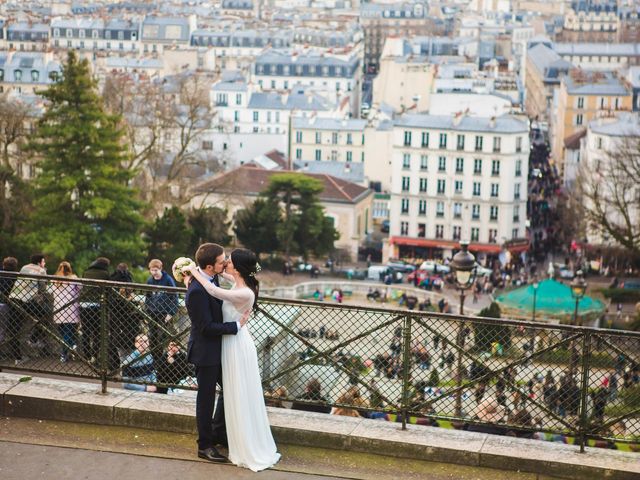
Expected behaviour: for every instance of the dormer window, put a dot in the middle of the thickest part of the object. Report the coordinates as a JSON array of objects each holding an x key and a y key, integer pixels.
[
  {"x": 35, "y": 75},
  {"x": 17, "y": 75},
  {"x": 82, "y": 33},
  {"x": 56, "y": 32},
  {"x": 94, "y": 33},
  {"x": 69, "y": 33},
  {"x": 1, "y": 75}
]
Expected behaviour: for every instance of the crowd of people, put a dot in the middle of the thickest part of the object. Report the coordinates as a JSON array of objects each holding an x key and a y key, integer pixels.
[{"x": 140, "y": 325}]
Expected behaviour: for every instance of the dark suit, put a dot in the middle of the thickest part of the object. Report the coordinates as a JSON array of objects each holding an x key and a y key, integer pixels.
[{"x": 205, "y": 344}]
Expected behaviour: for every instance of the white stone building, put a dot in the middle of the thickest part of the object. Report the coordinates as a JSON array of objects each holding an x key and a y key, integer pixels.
[{"x": 457, "y": 177}]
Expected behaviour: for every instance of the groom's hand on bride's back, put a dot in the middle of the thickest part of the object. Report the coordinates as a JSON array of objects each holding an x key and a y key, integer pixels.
[{"x": 245, "y": 318}]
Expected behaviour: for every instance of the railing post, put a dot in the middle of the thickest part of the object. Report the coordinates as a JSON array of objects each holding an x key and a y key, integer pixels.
[
  {"x": 584, "y": 389},
  {"x": 104, "y": 337},
  {"x": 406, "y": 369}
]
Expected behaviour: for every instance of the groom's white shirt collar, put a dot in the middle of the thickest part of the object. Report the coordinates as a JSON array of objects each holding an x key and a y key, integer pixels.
[{"x": 209, "y": 277}]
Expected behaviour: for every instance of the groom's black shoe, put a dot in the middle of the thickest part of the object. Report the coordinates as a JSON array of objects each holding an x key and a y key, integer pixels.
[{"x": 212, "y": 455}]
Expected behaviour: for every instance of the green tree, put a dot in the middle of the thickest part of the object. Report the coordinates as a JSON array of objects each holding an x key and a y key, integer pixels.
[
  {"x": 84, "y": 206},
  {"x": 256, "y": 226},
  {"x": 169, "y": 237},
  {"x": 303, "y": 227},
  {"x": 208, "y": 224}
]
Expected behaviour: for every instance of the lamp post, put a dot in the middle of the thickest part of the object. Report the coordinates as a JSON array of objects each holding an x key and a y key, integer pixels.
[
  {"x": 533, "y": 316},
  {"x": 578, "y": 290},
  {"x": 463, "y": 265}
]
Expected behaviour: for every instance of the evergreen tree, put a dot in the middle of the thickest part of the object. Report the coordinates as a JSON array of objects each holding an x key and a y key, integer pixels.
[
  {"x": 84, "y": 206},
  {"x": 169, "y": 237},
  {"x": 256, "y": 226},
  {"x": 303, "y": 227}
]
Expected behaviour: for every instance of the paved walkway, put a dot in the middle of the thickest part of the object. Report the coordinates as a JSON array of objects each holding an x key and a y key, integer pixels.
[
  {"x": 33, "y": 449},
  {"x": 19, "y": 461}
]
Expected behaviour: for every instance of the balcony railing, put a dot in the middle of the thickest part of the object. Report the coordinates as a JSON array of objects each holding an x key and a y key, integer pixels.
[{"x": 537, "y": 379}]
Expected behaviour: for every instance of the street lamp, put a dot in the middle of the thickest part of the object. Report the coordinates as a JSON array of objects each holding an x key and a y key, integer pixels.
[
  {"x": 463, "y": 265},
  {"x": 464, "y": 270},
  {"x": 578, "y": 290},
  {"x": 535, "y": 286},
  {"x": 535, "y": 293}
]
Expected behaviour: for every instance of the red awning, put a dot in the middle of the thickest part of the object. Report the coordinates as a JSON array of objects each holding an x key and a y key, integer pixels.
[{"x": 444, "y": 244}]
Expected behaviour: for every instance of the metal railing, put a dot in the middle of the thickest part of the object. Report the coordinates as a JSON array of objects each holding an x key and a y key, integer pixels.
[{"x": 495, "y": 375}]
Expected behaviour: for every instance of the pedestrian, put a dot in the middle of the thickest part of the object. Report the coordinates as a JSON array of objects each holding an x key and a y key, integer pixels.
[
  {"x": 90, "y": 306},
  {"x": 66, "y": 309},
  {"x": 161, "y": 306},
  {"x": 31, "y": 301}
]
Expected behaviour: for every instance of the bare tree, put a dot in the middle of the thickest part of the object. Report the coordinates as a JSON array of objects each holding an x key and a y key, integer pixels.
[
  {"x": 14, "y": 116},
  {"x": 165, "y": 121},
  {"x": 610, "y": 188}
]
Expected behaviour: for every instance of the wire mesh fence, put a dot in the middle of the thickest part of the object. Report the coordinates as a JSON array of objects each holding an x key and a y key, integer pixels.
[{"x": 487, "y": 375}]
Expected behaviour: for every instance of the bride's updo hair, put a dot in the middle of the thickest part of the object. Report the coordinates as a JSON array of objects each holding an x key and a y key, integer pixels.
[{"x": 246, "y": 263}]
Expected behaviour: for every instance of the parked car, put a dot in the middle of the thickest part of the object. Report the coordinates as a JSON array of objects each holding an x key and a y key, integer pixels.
[
  {"x": 401, "y": 267},
  {"x": 353, "y": 273},
  {"x": 434, "y": 267}
]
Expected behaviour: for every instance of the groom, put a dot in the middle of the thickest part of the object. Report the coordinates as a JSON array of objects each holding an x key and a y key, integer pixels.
[{"x": 205, "y": 342}]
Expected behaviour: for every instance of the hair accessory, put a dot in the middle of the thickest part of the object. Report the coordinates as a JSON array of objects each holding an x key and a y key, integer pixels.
[{"x": 258, "y": 269}]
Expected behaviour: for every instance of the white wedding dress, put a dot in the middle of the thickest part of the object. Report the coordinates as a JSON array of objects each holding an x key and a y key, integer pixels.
[{"x": 251, "y": 444}]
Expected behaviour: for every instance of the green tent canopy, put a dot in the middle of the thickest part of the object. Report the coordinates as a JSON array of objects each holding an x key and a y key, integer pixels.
[{"x": 553, "y": 299}]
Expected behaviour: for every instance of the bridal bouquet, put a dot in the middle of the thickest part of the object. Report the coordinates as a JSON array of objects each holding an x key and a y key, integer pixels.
[{"x": 179, "y": 267}]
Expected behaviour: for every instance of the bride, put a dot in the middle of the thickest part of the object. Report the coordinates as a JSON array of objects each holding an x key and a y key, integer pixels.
[{"x": 251, "y": 444}]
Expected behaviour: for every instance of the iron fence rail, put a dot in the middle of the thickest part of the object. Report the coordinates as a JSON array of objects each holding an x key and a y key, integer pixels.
[{"x": 493, "y": 375}]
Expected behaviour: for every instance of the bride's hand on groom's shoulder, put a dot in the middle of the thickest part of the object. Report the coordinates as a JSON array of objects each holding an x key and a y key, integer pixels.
[{"x": 245, "y": 318}]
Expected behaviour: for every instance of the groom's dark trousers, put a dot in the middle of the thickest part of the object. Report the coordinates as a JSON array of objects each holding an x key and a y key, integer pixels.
[{"x": 205, "y": 343}]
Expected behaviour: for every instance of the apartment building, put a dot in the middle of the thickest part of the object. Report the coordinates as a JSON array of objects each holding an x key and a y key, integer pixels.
[
  {"x": 584, "y": 95},
  {"x": 239, "y": 49},
  {"x": 590, "y": 21},
  {"x": 249, "y": 121},
  {"x": 382, "y": 20},
  {"x": 545, "y": 68},
  {"x": 27, "y": 36},
  {"x": 405, "y": 80},
  {"x": 160, "y": 32},
  {"x": 95, "y": 34},
  {"x": 337, "y": 75},
  {"x": 27, "y": 72},
  {"x": 457, "y": 177}
]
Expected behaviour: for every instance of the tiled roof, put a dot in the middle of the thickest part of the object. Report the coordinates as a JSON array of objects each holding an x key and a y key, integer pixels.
[{"x": 252, "y": 181}]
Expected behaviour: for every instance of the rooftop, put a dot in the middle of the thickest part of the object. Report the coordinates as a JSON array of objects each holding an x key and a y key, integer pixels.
[
  {"x": 588, "y": 82},
  {"x": 330, "y": 124},
  {"x": 501, "y": 124},
  {"x": 253, "y": 180}
]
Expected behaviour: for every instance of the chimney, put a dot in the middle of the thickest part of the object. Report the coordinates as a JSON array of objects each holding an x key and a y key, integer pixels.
[{"x": 492, "y": 122}]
